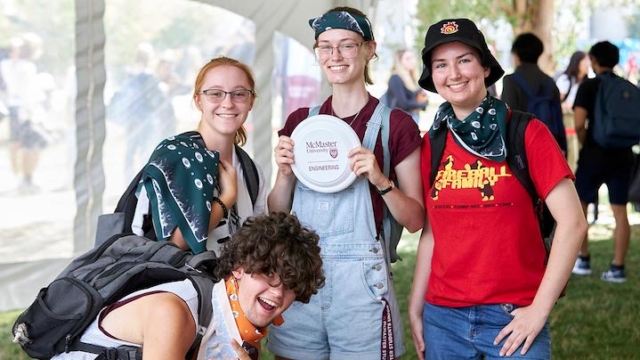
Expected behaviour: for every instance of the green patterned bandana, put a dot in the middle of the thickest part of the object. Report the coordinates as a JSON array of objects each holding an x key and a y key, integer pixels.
[
  {"x": 482, "y": 133},
  {"x": 342, "y": 20},
  {"x": 181, "y": 178}
]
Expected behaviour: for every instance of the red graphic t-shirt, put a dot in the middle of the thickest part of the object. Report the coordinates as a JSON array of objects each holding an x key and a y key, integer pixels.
[{"x": 487, "y": 243}]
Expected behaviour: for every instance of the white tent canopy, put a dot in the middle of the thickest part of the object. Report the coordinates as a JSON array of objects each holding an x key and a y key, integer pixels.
[{"x": 20, "y": 277}]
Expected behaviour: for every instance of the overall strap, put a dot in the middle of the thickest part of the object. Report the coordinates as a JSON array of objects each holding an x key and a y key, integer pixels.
[
  {"x": 386, "y": 119},
  {"x": 373, "y": 127},
  {"x": 313, "y": 111}
]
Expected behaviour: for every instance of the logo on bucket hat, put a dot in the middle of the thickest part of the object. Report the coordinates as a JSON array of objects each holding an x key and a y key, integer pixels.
[
  {"x": 449, "y": 28},
  {"x": 464, "y": 31}
]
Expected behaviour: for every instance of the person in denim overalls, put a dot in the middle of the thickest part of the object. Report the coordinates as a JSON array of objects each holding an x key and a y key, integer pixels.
[{"x": 356, "y": 315}]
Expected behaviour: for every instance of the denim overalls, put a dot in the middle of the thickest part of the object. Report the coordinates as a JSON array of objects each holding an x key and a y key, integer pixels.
[{"x": 346, "y": 316}]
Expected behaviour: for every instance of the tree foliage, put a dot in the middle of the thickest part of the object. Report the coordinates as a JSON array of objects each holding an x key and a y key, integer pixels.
[
  {"x": 535, "y": 16},
  {"x": 555, "y": 22}
]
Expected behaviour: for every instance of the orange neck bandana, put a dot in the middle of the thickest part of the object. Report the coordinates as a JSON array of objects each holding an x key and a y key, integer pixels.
[{"x": 249, "y": 332}]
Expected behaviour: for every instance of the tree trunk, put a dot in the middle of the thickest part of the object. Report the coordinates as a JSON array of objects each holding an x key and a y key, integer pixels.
[
  {"x": 536, "y": 17},
  {"x": 542, "y": 25}
]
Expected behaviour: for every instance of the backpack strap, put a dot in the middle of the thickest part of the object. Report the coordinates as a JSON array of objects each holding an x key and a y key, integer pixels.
[
  {"x": 523, "y": 85},
  {"x": 517, "y": 160},
  {"x": 548, "y": 87},
  {"x": 250, "y": 173},
  {"x": 124, "y": 352},
  {"x": 516, "y": 152},
  {"x": 129, "y": 200},
  {"x": 204, "y": 287},
  {"x": 385, "y": 114},
  {"x": 437, "y": 149}
]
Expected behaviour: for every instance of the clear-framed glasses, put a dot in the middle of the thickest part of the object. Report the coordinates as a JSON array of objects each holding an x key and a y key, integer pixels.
[
  {"x": 348, "y": 50},
  {"x": 239, "y": 96}
]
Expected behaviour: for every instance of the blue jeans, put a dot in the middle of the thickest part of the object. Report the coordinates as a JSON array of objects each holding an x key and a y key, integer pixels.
[{"x": 469, "y": 332}]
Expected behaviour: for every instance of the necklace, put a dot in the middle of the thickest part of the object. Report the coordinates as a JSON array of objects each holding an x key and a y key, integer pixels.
[{"x": 354, "y": 118}]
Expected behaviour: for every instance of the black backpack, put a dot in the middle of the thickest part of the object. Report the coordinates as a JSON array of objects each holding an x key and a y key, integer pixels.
[
  {"x": 517, "y": 161},
  {"x": 121, "y": 219},
  {"x": 546, "y": 107},
  {"x": 55, "y": 321},
  {"x": 616, "y": 118}
]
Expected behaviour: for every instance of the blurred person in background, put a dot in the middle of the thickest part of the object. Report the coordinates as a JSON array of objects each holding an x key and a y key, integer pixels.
[
  {"x": 568, "y": 83},
  {"x": 22, "y": 99},
  {"x": 404, "y": 92}
]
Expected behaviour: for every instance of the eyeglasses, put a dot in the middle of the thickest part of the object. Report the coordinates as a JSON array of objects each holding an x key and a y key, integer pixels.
[
  {"x": 347, "y": 51},
  {"x": 237, "y": 96}
]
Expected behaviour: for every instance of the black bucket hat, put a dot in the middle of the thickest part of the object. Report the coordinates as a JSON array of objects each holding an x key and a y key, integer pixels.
[{"x": 465, "y": 31}]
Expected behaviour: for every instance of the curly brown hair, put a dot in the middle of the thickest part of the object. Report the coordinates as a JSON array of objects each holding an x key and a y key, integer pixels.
[{"x": 276, "y": 243}]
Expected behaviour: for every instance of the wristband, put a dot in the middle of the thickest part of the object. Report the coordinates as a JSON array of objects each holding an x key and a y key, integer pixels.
[{"x": 225, "y": 211}]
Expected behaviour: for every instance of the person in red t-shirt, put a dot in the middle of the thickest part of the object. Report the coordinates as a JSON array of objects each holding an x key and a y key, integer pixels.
[{"x": 481, "y": 286}]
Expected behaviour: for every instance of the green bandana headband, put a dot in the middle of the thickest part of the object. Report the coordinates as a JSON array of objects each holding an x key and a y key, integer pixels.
[{"x": 342, "y": 20}]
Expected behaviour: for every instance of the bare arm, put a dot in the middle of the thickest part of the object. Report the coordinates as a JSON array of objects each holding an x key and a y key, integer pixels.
[
  {"x": 161, "y": 323},
  {"x": 406, "y": 205},
  {"x": 580, "y": 118},
  {"x": 419, "y": 287},
  {"x": 281, "y": 195},
  {"x": 571, "y": 229}
]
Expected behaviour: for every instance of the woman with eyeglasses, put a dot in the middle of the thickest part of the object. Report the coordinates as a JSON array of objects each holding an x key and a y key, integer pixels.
[
  {"x": 356, "y": 315},
  {"x": 196, "y": 187}
]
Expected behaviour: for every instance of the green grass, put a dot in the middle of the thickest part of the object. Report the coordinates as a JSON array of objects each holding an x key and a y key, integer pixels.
[{"x": 596, "y": 320}]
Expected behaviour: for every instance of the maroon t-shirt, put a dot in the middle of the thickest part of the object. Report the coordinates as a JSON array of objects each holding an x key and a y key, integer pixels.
[{"x": 404, "y": 138}]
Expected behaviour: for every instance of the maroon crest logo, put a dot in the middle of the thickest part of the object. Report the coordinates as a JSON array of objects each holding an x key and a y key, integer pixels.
[{"x": 333, "y": 152}]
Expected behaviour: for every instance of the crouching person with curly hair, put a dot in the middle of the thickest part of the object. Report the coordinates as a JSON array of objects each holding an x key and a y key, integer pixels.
[{"x": 269, "y": 263}]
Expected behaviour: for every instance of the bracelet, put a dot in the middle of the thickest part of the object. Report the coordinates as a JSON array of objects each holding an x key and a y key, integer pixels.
[{"x": 225, "y": 211}]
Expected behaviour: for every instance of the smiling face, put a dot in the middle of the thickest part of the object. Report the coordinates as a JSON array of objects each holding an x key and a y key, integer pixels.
[
  {"x": 259, "y": 300},
  {"x": 337, "y": 68},
  {"x": 458, "y": 76},
  {"x": 227, "y": 116}
]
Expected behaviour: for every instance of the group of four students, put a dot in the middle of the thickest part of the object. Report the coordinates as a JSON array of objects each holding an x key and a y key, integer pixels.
[{"x": 483, "y": 282}]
